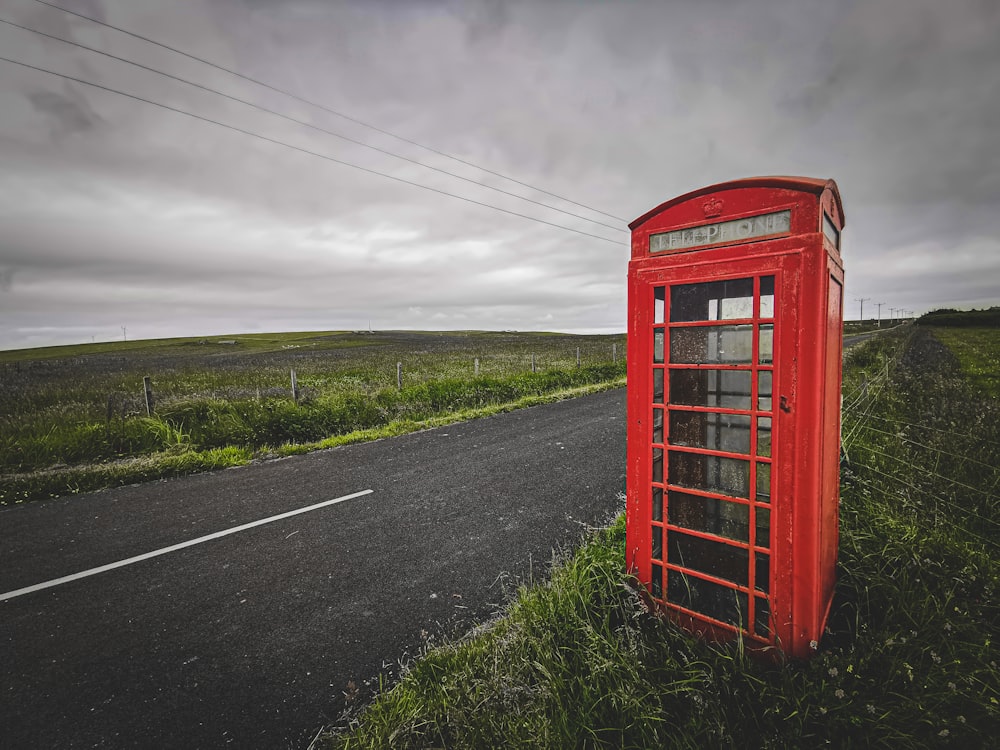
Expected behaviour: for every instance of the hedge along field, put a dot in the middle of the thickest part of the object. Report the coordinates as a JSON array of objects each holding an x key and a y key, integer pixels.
[{"x": 74, "y": 418}]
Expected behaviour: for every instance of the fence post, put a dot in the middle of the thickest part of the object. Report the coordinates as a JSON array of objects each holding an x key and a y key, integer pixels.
[
  {"x": 614, "y": 354},
  {"x": 295, "y": 388},
  {"x": 147, "y": 387},
  {"x": 399, "y": 376},
  {"x": 111, "y": 414},
  {"x": 577, "y": 356},
  {"x": 477, "y": 367},
  {"x": 532, "y": 362}
]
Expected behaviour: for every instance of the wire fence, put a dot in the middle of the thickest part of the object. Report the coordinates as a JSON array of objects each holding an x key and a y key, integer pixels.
[{"x": 950, "y": 478}]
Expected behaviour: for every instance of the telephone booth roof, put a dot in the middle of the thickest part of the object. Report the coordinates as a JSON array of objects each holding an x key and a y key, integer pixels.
[{"x": 801, "y": 184}]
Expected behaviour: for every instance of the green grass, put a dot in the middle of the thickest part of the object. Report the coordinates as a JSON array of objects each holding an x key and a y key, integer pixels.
[
  {"x": 909, "y": 659},
  {"x": 978, "y": 353},
  {"x": 73, "y": 419}
]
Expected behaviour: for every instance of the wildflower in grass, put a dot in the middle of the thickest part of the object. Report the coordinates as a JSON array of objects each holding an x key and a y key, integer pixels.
[
  {"x": 870, "y": 708},
  {"x": 961, "y": 719},
  {"x": 822, "y": 710},
  {"x": 839, "y": 693},
  {"x": 947, "y": 626},
  {"x": 935, "y": 657},
  {"x": 834, "y": 671},
  {"x": 943, "y": 733},
  {"x": 952, "y": 686}
]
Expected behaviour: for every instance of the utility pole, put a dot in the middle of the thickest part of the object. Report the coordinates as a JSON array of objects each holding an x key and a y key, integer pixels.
[
  {"x": 878, "y": 321},
  {"x": 862, "y": 300}
]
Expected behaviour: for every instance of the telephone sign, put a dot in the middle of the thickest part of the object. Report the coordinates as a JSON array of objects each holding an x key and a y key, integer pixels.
[{"x": 734, "y": 373}]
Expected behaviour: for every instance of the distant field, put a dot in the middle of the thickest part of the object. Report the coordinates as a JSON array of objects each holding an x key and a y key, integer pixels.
[
  {"x": 72, "y": 417},
  {"x": 181, "y": 347}
]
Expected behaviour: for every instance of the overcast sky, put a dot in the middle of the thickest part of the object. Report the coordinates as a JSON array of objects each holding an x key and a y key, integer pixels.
[{"x": 117, "y": 213}]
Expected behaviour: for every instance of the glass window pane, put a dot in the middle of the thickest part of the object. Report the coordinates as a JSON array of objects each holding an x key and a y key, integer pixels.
[
  {"x": 658, "y": 298},
  {"x": 656, "y": 582},
  {"x": 711, "y": 599},
  {"x": 657, "y": 425},
  {"x": 716, "y": 300},
  {"x": 766, "y": 344},
  {"x": 709, "y": 515},
  {"x": 727, "y": 476},
  {"x": 658, "y": 386},
  {"x": 764, "y": 380},
  {"x": 657, "y": 464},
  {"x": 728, "y": 389},
  {"x": 830, "y": 231},
  {"x": 657, "y": 503},
  {"x": 658, "y": 345},
  {"x": 729, "y": 345},
  {"x": 763, "y": 527},
  {"x": 762, "y": 576},
  {"x": 763, "y": 482},
  {"x": 767, "y": 297},
  {"x": 657, "y": 542},
  {"x": 714, "y": 558},
  {"x": 762, "y": 617},
  {"x": 764, "y": 436},
  {"x": 718, "y": 432}
]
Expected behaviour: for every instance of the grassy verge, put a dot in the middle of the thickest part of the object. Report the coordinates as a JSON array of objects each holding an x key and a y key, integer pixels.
[
  {"x": 909, "y": 660},
  {"x": 74, "y": 419},
  {"x": 185, "y": 459}
]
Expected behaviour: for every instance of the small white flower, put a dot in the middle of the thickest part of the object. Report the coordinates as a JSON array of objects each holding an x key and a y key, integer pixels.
[{"x": 834, "y": 671}]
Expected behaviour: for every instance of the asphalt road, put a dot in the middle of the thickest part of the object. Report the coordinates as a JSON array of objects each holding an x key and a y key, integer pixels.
[{"x": 251, "y": 639}]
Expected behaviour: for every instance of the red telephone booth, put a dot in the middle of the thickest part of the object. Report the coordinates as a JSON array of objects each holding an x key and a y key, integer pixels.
[{"x": 734, "y": 375}]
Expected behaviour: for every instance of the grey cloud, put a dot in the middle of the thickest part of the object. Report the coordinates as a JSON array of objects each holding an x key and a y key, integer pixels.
[
  {"x": 67, "y": 114},
  {"x": 92, "y": 8},
  {"x": 619, "y": 106}
]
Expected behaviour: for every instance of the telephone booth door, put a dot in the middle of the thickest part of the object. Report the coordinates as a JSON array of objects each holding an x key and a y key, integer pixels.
[{"x": 711, "y": 352}]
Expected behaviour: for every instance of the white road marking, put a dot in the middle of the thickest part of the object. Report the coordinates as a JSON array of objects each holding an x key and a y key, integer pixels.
[{"x": 175, "y": 547}]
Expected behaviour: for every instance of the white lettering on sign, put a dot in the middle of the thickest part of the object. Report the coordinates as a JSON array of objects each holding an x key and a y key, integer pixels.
[{"x": 736, "y": 230}]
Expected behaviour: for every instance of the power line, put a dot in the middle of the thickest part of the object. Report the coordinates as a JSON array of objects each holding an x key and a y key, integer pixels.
[
  {"x": 324, "y": 108},
  {"x": 304, "y": 123},
  {"x": 304, "y": 150}
]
